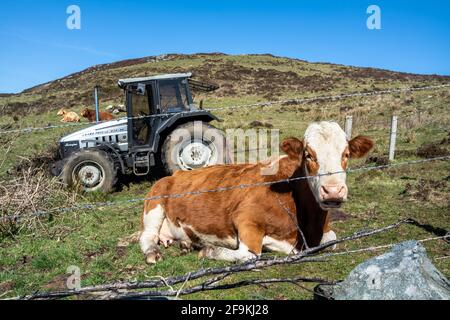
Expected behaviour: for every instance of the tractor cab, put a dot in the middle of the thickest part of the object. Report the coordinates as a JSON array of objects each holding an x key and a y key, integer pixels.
[
  {"x": 159, "y": 108},
  {"x": 149, "y": 100}
]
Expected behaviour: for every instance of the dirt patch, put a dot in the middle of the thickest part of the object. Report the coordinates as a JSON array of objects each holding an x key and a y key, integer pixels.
[
  {"x": 339, "y": 215},
  {"x": 431, "y": 150},
  {"x": 427, "y": 190},
  {"x": 92, "y": 254},
  {"x": 260, "y": 124},
  {"x": 60, "y": 282},
  {"x": 120, "y": 253},
  {"x": 379, "y": 160},
  {"x": 57, "y": 283},
  {"x": 7, "y": 286}
]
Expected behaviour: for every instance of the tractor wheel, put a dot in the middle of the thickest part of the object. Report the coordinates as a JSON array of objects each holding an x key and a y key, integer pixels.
[
  {"x": 193, "y": 145},
  {"x": 90, "y": 170}
]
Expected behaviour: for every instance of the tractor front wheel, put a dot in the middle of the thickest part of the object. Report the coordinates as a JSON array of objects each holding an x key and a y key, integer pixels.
[{"x": 90, "y": 170}]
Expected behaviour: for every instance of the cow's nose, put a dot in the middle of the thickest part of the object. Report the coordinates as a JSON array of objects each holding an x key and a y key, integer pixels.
[{"x": 333, "y": 192}]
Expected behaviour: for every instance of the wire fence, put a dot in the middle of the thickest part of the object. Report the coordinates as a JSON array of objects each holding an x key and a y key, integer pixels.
[
  {"x": 244, "y": 106},
  {"x": 17, "y": 217}
]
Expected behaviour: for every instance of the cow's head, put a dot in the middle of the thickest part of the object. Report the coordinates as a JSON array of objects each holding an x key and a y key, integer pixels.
[
  {"x": 61, "y": 112},
  {"x": 86, "y": 112},
  {"x": 324, "y": 150}
]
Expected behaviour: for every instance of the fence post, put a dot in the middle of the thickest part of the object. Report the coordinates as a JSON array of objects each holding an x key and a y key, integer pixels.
[
  {"x": 393, "y": 138},
  {"x": 348, "y": 126}
]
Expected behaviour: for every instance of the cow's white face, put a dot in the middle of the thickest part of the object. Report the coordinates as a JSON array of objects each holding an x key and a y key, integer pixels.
[{"x": 325, "y": 150}]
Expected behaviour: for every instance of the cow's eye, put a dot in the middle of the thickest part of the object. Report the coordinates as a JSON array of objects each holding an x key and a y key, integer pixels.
[
  {"x": 346, "y": 156},
  {"x": 308, "y": 157}
]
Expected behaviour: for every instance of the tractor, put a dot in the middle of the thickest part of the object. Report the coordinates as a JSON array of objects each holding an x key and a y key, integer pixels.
[{"x": 163, "y": 130}]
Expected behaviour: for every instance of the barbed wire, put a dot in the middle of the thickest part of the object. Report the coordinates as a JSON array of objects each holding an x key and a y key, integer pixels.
[
  {"x": 245, "y": 106},
  {"x": 17, "y": 217},
  {"x": 446, "y": 238}
]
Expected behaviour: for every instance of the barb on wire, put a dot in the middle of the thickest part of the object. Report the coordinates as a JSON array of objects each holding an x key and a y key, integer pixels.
[
  {"x": 220, "y": 189},
  {"x": 248, "y": 106}
]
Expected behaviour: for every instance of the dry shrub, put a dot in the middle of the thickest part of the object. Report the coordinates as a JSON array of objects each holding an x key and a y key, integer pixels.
[
  {"x": 38, "y": 162},
  {"x": 24, "y": 199}
]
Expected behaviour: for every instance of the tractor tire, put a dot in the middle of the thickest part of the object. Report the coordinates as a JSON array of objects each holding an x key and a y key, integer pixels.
[
  {"x": 186, "y": 148},
  {"x": 90, "y": 170}
]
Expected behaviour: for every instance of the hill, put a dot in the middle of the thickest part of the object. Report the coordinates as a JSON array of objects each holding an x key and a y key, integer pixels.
[{"x": 249, "y": 76}]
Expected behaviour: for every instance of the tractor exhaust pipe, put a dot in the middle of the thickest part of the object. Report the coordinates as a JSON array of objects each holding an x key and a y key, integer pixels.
[{"x": 97, "y": 115}]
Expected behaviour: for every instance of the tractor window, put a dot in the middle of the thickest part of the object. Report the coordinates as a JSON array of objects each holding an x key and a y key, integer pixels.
[
  {"x": 140, "y": 108},
  {"x": 173, "y": 96}
]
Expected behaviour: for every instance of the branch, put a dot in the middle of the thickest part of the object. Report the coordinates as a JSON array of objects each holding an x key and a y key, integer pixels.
[
  {"x": 258, "y": 263},
  {"x": 207, "y": 286}
]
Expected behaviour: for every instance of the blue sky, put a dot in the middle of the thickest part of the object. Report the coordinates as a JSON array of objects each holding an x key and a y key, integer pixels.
[{"x": 36, "y": 46}]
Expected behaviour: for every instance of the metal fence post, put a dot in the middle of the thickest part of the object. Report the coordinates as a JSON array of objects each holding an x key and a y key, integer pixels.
[
  {"x": 348, "y": 126},
  {"x": 393, "y": 138}
]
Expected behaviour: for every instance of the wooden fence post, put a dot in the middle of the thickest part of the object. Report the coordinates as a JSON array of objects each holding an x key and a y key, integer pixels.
[
  {"x": 393, "y": 138},
  {"x": 348, "y": 127}
]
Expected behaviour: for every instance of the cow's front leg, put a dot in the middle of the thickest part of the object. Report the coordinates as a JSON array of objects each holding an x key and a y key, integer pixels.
[
  {"x": 221, "y": 253},
  {"x": 250, "y": 245},
  {"x": 328, "y": 234},
  {"x": 152, "y": 222}
]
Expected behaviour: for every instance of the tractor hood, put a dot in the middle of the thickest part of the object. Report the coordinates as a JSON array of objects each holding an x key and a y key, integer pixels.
[{"x": 111, "y": 132}]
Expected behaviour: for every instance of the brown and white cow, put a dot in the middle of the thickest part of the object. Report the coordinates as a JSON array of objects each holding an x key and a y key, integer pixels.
[{"x": 238, "y": 224}]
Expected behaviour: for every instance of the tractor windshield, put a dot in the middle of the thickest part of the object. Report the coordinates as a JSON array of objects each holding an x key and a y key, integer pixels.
[{"x": 173, "y": 95}]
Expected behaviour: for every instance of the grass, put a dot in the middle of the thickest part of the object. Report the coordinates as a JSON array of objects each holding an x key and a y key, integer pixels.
[{"x": 38, "y": 259}]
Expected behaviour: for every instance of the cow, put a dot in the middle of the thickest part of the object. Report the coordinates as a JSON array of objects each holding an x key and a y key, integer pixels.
[
  {"x": 68, "y": 116},
  {"x": 90, "y": 115},
  {"x": 236, "y": 224}
]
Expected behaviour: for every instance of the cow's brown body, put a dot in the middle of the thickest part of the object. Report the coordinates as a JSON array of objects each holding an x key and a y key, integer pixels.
[
  {"x": 90, "y": 115},
  {"x": 249, "y": 213}
]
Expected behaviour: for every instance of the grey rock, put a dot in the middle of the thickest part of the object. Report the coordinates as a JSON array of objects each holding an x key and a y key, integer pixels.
[{"x": 404, "y": 273}]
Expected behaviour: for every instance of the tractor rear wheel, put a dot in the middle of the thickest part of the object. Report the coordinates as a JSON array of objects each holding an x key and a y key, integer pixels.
[
  {"x": 193, "y": 145},
  {"x": 90, "y": 170}
]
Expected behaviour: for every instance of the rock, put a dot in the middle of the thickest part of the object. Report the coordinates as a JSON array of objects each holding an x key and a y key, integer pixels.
[{"x": 404, "y": 273}]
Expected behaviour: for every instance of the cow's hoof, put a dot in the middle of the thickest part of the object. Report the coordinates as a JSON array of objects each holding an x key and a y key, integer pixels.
[
  {"x": 185, "y": 247},
  {"x": 166, "y": 242},
  {"x": 153, "y": 257},
  {"x": 205, "y": 252},
  {"x": 327, "y": 237}
]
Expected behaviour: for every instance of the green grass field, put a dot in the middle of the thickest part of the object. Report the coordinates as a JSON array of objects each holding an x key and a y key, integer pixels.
[{"x": 36, "y": 254}]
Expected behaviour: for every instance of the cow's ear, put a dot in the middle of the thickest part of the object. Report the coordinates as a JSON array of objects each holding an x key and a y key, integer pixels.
[
  {"x": 292, "y": 147},
  {"x": 360, "y": 146}
]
